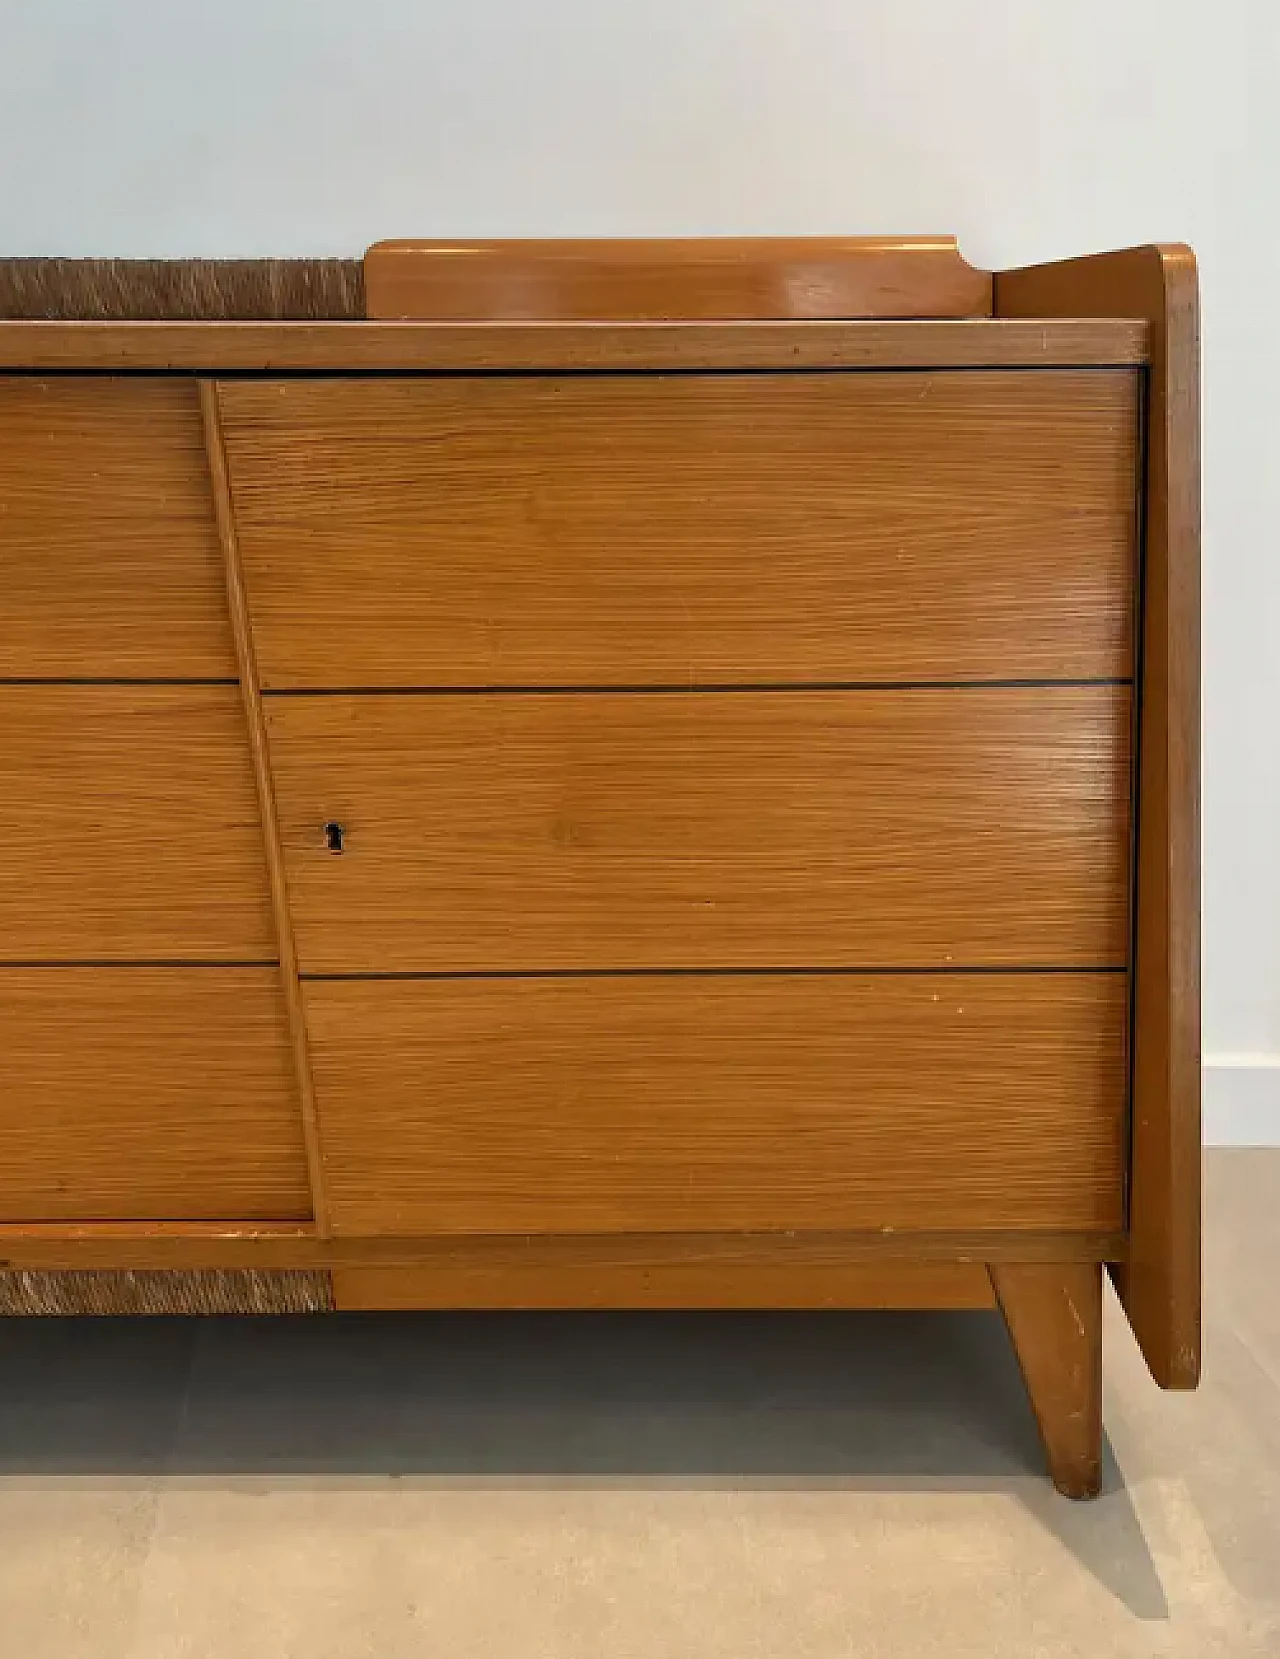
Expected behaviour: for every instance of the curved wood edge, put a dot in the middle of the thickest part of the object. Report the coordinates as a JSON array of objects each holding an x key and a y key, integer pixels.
[
  {"x": 1053, "y": 1311},
  {"x": 251, "y": 694},
  {"x": 657, "y": 280},
  {"x": 169, "y": 289},
  {"x": 1159, "y": 1285}
]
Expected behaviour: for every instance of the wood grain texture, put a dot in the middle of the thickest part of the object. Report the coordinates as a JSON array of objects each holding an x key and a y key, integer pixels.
[
  {"x": 1160, "y": 1284},
  {"x": 146, "y": 1093},
  {"x": 142, "y": 289},
  {"x": 668, "y": 1103},
  {"x": 107, "y": 544},
  {"x": 287, "y": 1245},
  {"x": 256, "y": 737},
  {"x": 588, "y": 1284},
  {"x": 427, "y": 348},
  {"x": 131, "y": 827},
  {"x": 934, "y": 828},
  {"x": 690, "y": 530},
  {"x": 1054, "y": 1316},
  {"x": 656, "y": 279},
  {"x": 185, "y": 1292}
]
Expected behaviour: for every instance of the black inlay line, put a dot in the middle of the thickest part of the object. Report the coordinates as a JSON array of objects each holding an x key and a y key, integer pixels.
[
  {"x": 132, "y": 962},
  {"x": 949, "y": 968},
  {"x": 114, "y": 679},
  {"x": 685, "y": 690}
]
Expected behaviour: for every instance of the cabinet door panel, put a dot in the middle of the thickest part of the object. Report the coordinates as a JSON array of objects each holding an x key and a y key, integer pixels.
[
  {"x": 687, "y": 530},
  {"x": 107, "y": 540},
  {"x": 923, "y": 828},
  {"x": 147, "y": 1094},
  {"x": 132, "y": 830},
  {"x": 697, "y": 1102}
]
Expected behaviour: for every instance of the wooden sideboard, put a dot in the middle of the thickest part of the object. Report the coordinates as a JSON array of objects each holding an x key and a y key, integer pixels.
[{"x": 606, "y": 775}]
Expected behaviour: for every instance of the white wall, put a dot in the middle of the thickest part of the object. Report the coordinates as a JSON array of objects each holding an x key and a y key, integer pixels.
[{"x": 1033, "y": 129}]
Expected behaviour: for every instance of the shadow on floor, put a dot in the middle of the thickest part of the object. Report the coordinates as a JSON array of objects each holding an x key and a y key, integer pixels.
[{"x": 897, "y": 1401}]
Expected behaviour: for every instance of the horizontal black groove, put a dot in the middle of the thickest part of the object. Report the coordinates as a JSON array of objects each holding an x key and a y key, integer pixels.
[
  {"x": 683, "y": 690},
  {"x": 114, "y": 679},
  {"x": 573, "y": 371},
  {"x": 132, "y": 962},
  {"x": 969, "y": 969}
]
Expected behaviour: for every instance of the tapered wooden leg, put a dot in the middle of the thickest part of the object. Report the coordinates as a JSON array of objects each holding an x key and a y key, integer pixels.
[{"x": 1054, "y": 1315}]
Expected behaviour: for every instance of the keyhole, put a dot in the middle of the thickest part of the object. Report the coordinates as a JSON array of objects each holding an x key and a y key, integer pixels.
[{"x": 333, "y": 836}]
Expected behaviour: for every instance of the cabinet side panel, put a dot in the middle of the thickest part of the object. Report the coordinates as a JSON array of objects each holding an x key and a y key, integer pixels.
[{"x": 1160, "y": 1283}]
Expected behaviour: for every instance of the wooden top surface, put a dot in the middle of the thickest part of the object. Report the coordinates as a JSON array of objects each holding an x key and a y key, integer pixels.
[{"x": 430, "y": 347}]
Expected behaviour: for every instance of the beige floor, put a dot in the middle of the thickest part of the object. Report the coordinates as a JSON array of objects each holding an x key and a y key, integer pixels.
[{"x": 634, "y": 1488}]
